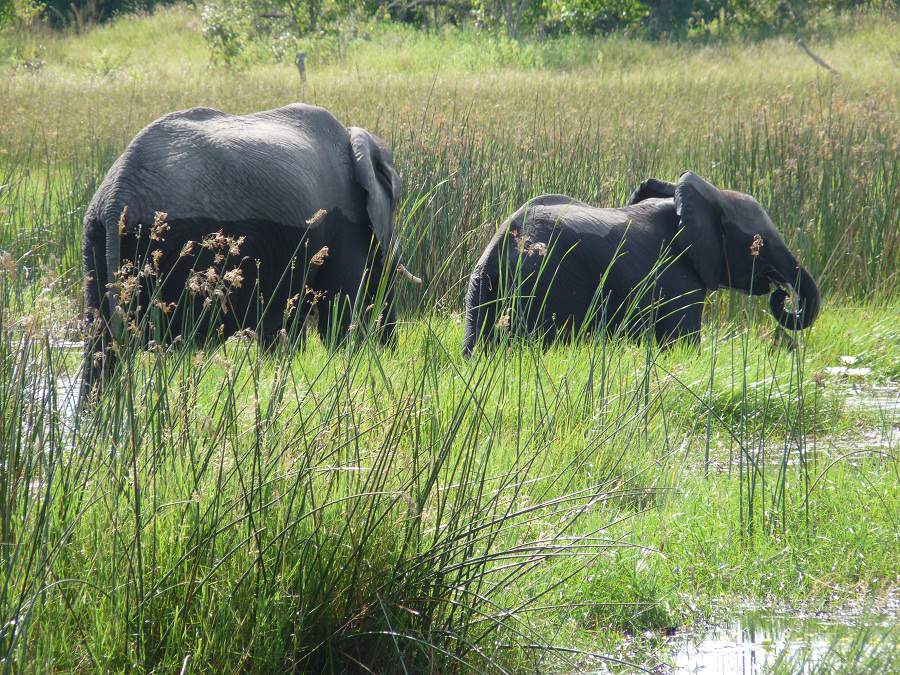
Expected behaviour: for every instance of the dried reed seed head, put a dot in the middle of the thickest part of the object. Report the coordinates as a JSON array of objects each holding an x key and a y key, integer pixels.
[
  {"x": 7, "y": 264},
  {"x": 319, "y": 258},
  {"x": 219, "y": 241},
  {"x": 234, "y": 277},
  {"x": 538, "y": 247},
  {"x": 128, "y": 288},
  {"x": 124, "y": 269},
  {"x": 756, "y": 245},
  {"x": 160, "y": 227},
  {"x": 214, "y": 240},
  {"x": 521, "y": 242},
  {"x": 122, "y": 217},
  {"x": 187, "y": 249},
  {"x": 165, "y": 307},
  {"x": 316, "y": 217},
  {"x": 315, "y": 295},
  {"x": 234, "y": 245},
  {"x": 195, "y": 283},
  {"x": 291, "y": 305}
]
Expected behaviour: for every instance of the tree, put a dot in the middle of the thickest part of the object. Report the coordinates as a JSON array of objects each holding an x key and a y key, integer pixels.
[
  {"x": 598, "y": 16},
  {"x": 510, "y": 15}
]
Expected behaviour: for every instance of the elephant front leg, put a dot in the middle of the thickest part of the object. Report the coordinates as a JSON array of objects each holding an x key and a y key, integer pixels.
[
  {"x": 680, "y": 324},
  {"x": 335, "y": 320},
  {"x": 386, "y": 324}
]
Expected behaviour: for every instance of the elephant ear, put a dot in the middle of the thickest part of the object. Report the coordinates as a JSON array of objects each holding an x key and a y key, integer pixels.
[
  {"x": 700, "y": 210},
  {"x": 652, "y": 189},
  {"x": 374, "y": 171}
]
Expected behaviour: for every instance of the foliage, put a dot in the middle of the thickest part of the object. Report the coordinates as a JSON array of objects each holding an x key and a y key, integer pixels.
[
  {"x": 226, "y": 28},
  {"x": 511, "y": 17},
  {"x": 82, "y": 13},
  {"x": 23, "y": 12},
  {"x": 598, "y": 16},
  {"x": 233, "y": 21},
  {"x": 241, "y": 31}
]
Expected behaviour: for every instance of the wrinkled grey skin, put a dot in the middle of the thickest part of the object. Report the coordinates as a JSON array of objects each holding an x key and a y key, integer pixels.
[
  {"x": 261, "y": 176},
  {"x": 572, "y": 267}
]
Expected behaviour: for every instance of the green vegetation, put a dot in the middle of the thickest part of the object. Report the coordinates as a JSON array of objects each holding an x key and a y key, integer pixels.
[{"x": 233, "y": 508}]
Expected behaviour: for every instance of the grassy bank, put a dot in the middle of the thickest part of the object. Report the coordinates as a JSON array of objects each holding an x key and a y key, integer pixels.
[{"x": 231, "y": 508}]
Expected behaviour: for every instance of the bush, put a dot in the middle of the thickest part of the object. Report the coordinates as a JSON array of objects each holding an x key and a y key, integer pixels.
[
  {"x": 226, "y": 28},
  {"x": 20, "y": 11}
]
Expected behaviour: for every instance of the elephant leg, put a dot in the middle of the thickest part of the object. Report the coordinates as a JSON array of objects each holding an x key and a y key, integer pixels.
[
  {"x": 679, "y": 323},
  {"x": 352, "y": 297},
  {"x": 335, "y": 320},
  {"x": 341, "y": 317},
  {"x": 95, "y": 339},
  {"x": 288, "y": 305},
  {"x": 387, "y": 324},
  {"x": 481, "y": 310}
]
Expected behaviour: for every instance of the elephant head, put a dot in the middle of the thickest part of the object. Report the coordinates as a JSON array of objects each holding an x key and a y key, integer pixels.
[
  {"x": 374, "y": 170},
  {"x": 731, "y": 242}
]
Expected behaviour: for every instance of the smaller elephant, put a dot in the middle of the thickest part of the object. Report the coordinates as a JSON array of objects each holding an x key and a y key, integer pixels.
[{"x": 558, "y": 267}]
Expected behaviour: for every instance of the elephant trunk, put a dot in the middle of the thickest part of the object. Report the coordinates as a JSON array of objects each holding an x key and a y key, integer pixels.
[{"x": 808, "y": 308}]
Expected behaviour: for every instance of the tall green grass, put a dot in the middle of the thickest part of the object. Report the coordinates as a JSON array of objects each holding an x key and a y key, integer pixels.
[
  {"x": 819, "y": 156},
  {"x": 321, "y": 508}
]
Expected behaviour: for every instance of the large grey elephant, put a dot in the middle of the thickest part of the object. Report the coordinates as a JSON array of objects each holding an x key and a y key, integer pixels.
[
  {"x": 218, "y": 222},
  {"x": 558, "y": 267}
]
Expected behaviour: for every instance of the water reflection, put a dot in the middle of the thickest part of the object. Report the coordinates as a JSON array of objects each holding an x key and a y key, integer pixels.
[
  {"x": 759, "y": 642},
  {"x": 884, "y": 398}
]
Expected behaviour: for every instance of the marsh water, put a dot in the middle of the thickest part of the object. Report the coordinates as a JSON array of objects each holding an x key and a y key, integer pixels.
[{"x": 762, "y": 641}]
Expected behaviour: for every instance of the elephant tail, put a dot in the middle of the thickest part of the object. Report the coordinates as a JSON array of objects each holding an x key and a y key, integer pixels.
[{"x": 479, "y": 311}]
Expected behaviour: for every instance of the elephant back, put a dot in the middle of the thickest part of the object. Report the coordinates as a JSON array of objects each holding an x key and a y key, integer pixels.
[{"x": 279, "y": 165}]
